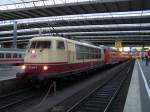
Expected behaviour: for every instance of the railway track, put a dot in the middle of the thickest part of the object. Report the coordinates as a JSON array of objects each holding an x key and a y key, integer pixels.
[
  {"x": 11, "y": 99},
  {"x": 102, "y": 97}
]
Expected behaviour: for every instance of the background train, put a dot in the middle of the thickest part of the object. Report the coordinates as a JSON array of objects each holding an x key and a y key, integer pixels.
[
  {"x": 11, "y": 56},
  {"x": 48, "y": 57}
]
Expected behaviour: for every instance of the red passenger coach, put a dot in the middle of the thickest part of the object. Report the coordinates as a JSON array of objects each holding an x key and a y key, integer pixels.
[
  {"x": 148, "y": 53},
  {"x": 112, "y": 57},
  {"x": 107, "y": 55}
]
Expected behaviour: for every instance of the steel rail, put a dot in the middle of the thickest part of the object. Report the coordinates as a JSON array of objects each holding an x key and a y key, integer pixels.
[{"x": 112, "y": 86}]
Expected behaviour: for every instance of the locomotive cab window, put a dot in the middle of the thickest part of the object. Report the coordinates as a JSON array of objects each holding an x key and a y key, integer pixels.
[
  {"x": 40, "y": 44},
  {"x": 43, "y": 44},
  {"x": 33, "y": 44},
  {"x": 60, "y": 45}
]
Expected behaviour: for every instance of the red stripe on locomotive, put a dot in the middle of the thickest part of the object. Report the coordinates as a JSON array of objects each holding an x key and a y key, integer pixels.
[{"x": 58, "y": 68}]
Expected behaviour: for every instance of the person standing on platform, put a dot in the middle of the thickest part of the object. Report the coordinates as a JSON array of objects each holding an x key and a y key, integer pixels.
[
  {"x": 142, "y": 55},
  {"x": 146, "y": 60}
]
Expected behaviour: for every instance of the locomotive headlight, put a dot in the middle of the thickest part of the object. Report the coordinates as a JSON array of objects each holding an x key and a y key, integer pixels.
[
  {"x": 33, "y": 51},
  {"x": 23, "y": 67},
  {"x": 45, "y": 67}
]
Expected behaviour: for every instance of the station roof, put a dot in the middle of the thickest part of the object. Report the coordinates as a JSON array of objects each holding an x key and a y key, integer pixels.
[{"x": 97, "y": 21}]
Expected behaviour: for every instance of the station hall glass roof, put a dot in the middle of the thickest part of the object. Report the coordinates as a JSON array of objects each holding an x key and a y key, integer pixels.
[{"x": 97, "y": 21}]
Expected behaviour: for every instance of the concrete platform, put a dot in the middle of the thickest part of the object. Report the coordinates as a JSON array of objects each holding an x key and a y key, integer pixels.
[
  {"x": 8, "y": 72},
  {"x": 138, "y": 98}
]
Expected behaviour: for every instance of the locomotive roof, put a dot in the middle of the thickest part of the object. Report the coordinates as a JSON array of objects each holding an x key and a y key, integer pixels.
[{"x": 49, "y": 38}]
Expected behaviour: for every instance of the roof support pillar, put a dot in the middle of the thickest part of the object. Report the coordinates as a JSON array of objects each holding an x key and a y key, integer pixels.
[{"x": 15, "y": 34}]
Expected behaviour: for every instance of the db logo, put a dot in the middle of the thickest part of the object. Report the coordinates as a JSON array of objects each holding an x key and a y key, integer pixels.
[{"x": 33, "y": 56}]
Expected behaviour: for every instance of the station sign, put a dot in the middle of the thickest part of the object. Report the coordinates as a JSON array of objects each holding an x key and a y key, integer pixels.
[{"x": 118, "y": 44}]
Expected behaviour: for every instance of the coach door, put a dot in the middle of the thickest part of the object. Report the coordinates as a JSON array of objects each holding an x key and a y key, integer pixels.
[{"x": 70, "y": 52}]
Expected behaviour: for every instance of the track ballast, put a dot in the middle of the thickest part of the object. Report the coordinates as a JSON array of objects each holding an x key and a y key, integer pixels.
[{"x": 101, "y": 98}]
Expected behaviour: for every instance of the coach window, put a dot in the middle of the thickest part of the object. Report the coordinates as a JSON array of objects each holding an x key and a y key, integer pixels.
[
  {"x": 99, "y": 54},
  {"x": 90, "y": 53},
  {"x": 1, "y": 55},
  {"x": 77, "y": 51},
  {"x": 60, "y": 45},
  {"x": 95, "y": 54},
  {"x": 8, "y": 55},
  {"x": 15, "y": 55},
  {"x": 86, "y": 53},
  {"x": 82, "y": 52},
  {"x": 20, "y": 56}
]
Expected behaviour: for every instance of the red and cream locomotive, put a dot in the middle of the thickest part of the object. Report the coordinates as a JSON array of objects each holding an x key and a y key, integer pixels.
[{"x": 48, "y": 57}]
